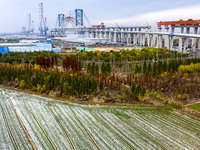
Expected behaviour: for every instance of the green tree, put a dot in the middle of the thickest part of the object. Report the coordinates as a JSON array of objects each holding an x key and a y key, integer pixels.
[
  {"x": 160, "y": 66},
  {"x": 97, "y": 68},
  {"x": 136, "y": 68},
  {"x": 144, "y": 67},
  {"x": 93, "y": 84},
  {"x": 88, "y": 68},
  {"x": 149, "y": 68},
  {"x": 67, "y": 90},
  {"x": 136, "y": 92},
  {"x": 103, "y": 68},
  {"x": 142, "y": 92},
  {"x": 108, "y": 68},
  {"x": 61, "y": 89},
  {"x": 165, "y": 66},
  {"x": 133, "y": 87},
  {"x": 169, "y": 65},
  {"x": 92, "y": 69}
]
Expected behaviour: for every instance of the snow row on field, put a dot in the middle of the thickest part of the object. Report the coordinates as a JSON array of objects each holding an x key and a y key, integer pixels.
[{"x": 62, "y": 125}]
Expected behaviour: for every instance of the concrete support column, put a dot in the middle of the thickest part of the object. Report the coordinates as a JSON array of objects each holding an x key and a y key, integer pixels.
[
  {"x": 148, "y": 37},
  {"x": 134, "y": 40},
  {"x": 198, "y": 44},
  {"x": 153, "y": 40},
  {"x": 139, "y": 36},
  {"x": 127, "y": 38},
  {"x": 194, "y": 40},
  {"x": 185, "y": 44},
  {"x": 181, "y": 40},
  {"x": 171, "y": 42},
  {"x": 180, "y": 44},
  {"x": 112, "y": 37},
  {"x": 134, "y": 37},
  {"x": 157, "y": 43},
  {"x": 101, "y": 34},
  {"x": 107, "y": 35},
  {"x": 131, "y": 38},
  {"x": 160, "y": 41},
  {"x": 167, "y": 39},
  {"x": 143, "y": 39},
  {"x": 93, "y": 34},
  {"x": 187, "y": 39},
  {"x": 118, "y": 37},
  {"x": 110, "y": 34},
  {"x": 115, "y": 36},
  {"x": 88, "y": 34},
  {"x": 121, "y": 37},
  {"x": 97, "y": 34}
]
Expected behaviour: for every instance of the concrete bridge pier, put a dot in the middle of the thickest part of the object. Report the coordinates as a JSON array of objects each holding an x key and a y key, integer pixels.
[
  {"x": 101, "y": 33},
  {"x": 171, "y": 42},
  {"x": 88, "y": 34},
  {"x": 153, "y": 40},
  {"x": 181, "y": 40},
  {"x": 194, "y": 40},
  {"x": 167, "y": 38},
  {"x": 148, "y": 37},
  {"x": 180, "y": 44},
  {"x": 115, "y": 36},
  {"x": 185, "y": 44}
]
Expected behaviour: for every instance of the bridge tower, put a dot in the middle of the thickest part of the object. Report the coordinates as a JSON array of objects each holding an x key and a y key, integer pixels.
[
  {"x": 61, "y": 18},
  {"x": 79, "y": 17}
]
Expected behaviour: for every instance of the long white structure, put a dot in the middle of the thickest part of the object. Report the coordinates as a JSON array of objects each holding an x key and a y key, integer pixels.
[{"x": 140, "y": 35}]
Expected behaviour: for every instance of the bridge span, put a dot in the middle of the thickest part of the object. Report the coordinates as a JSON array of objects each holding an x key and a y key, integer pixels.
[{"x": 142, "y": 35}]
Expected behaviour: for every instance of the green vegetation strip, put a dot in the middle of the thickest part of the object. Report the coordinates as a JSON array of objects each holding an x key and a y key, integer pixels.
[{"x": 195, "y": 106}]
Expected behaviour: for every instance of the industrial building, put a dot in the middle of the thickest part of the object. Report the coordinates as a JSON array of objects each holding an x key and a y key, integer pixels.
[{"x": 27, "y": 46}]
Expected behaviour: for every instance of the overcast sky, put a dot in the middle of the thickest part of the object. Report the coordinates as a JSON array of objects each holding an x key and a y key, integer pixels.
[{"x": 13, "y": 13}]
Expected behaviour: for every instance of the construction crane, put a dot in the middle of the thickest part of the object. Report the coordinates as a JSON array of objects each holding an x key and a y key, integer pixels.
[{"x": 30, "y": 24}]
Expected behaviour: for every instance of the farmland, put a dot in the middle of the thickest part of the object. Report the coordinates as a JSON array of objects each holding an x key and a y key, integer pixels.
[{"x": 54, "y": 124}]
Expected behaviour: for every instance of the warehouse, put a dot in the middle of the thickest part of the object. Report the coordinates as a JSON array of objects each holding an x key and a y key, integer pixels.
[{"x": 32, "y": 46}]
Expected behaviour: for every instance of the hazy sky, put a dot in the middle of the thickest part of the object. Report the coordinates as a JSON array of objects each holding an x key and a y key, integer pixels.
[{"x": 13, "y": 13}]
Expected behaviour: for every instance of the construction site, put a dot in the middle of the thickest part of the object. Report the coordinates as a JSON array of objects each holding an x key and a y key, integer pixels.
[{"x": 75, "y": 29}]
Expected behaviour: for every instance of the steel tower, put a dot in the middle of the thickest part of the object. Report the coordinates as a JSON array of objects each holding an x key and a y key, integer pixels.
[{"x": 43, "y": 21}]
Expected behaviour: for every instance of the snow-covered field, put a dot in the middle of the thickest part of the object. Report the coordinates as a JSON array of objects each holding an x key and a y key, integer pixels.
[{"x": 54, "y": 124}]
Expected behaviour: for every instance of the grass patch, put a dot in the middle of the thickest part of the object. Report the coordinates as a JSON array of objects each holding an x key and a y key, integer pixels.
[{"x": 195, "y": 106}]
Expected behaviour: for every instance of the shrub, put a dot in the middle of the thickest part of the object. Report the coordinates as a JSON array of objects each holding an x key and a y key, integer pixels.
[
  {"x": 39, "y": 88},
  {"x": 176, "y": 104},
  {"x": 179, "y": 96},
  {"x": 22, "y": 84}
]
